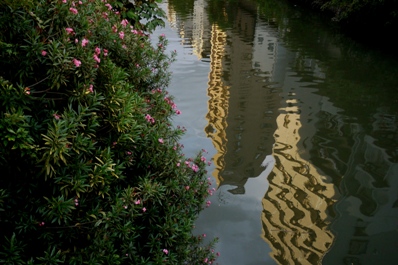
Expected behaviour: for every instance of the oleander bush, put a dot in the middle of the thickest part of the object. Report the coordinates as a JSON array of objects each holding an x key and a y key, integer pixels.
[{"x": 91, "y": 167}]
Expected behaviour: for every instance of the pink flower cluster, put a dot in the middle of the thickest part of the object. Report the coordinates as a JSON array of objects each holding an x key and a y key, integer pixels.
[
  {"x": 96, "y": 58},
  {"x": 84, "y": 42},
  {"x": 195, "y": 168},
  {"x": 124, "y": 23},
  {"x": 108, "y": 6},
  {"x": 70, "y": 31},
  {"x": 97, "y": 52},
  {"x": 172, "y": 105},
  {"x": 149, "y": 119},
  {"x": 170, "y": 102},
  {"x": 211, "y": 191},
  {"x": 121, "y": 35},
  {"x": 73, "y": 10},
  {"x": 76, "y": 62}
]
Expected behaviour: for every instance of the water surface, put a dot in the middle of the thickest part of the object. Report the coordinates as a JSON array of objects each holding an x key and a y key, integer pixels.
[{"x": 301, "y": 125}]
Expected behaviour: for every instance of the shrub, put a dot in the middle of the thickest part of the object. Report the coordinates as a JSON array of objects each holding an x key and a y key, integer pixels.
[{"x": 91, "y": 168}]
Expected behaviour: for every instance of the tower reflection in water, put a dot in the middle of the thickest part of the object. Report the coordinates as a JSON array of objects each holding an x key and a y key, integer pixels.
[
  {"x": 244, "y": 112},
  {"x": 332, "y": 195}
]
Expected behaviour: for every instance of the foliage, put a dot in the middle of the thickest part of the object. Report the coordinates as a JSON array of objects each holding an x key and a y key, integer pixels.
[
  {"x": 91, "y": 168},
  {"x": 143, "y": 14},
  {"x": 359, "y": 13}
]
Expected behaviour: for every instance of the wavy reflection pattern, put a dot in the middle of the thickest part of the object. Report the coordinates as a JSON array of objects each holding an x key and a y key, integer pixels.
[
  {"x": 295, "y": 220},
  {"x": 367, "y": 212},
  {"x": 218, "y": 102},
  {"x": 348, "y": 162}
]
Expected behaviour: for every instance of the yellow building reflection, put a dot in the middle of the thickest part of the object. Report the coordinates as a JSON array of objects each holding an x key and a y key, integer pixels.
[
  {"x": 295, "y": 207},
  {"x": 294, "y": 219},
  {"x": 218, "y": 102},
  {"x": 244, "y": 112}
]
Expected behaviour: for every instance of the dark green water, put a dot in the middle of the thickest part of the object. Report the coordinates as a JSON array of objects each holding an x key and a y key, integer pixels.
[{"x": 301, "y": 125}]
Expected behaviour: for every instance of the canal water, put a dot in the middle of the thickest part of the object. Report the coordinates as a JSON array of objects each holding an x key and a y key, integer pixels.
[{"x": 300, "y": 124}]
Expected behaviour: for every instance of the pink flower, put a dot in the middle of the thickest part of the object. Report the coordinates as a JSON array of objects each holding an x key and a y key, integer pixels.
[
  {"x": 84, "y": 42},
  {"x": 56, "y": 116},
  {"x": 121, "y": 35},
  {"x": 114, "y": 29},
  {"x": 108, "y": 6},
  {"x": 76, "y": 41},
  {"x": 165, "y": 251},
  {"x": 124, "y": 22},
  {"x": 178, "y": 164},
  {"x": 91, "y": 89},
  {"x": 205, "y": 260},
  {"x": 187, "y": 187},
  {"x": 105, "y": 52},
  {"x": 144, "y": 209},
  {"x": 43, "y": 52},
  {"x": 69, "y": 30},
  {"x": 80, "y": 2},
  {"x": 73, "y": 10},
  {"x": 178, "y": 112},
  {"x": 195, "y": 168},
  {"x": 149, "y": 119},
  {"x": 64, "y": 1},
  {"x": 97, "y": 50},
  {"x": 203, "y": 159},
  {"x": 137, "y": 202},
  {"x": 76, "y": 62},
  {"x": 98, "y": 60},
  {"x": 161, "y": 140}
]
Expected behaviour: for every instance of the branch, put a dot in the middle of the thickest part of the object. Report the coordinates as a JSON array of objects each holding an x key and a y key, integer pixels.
[
  {"x": 39, "y": 82},
  {"x": 71, "y": 226}
]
